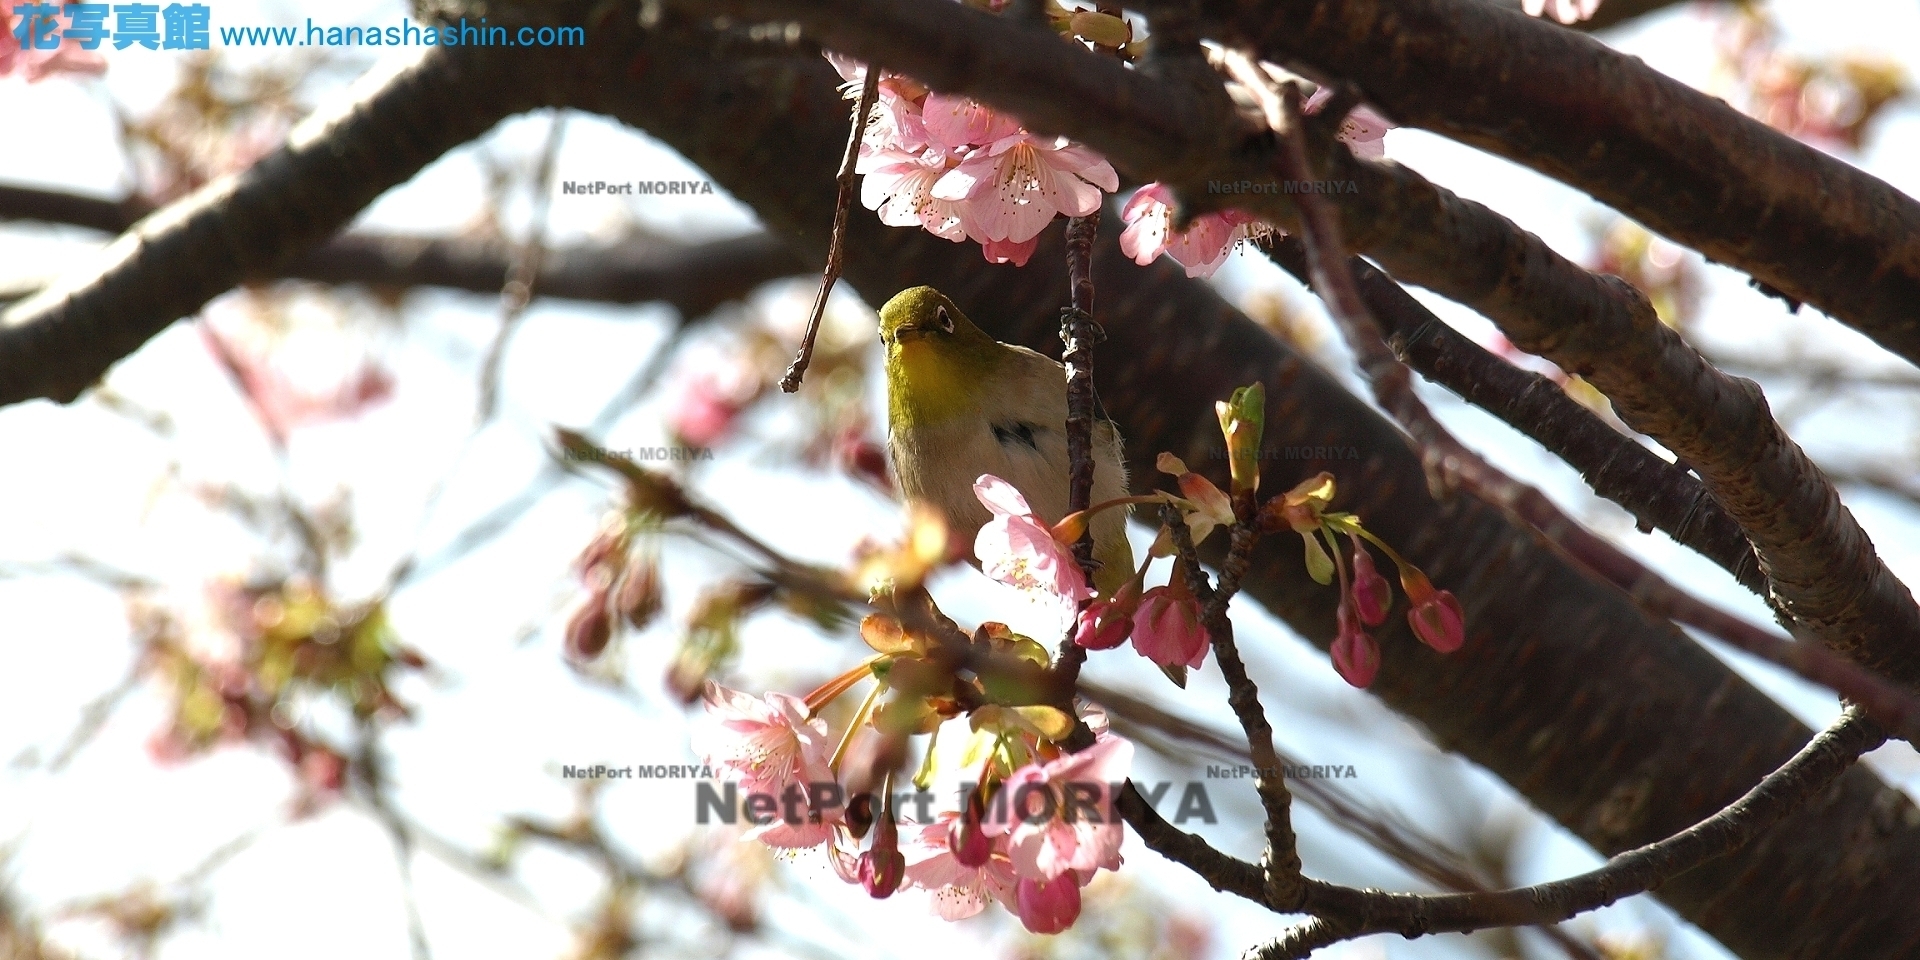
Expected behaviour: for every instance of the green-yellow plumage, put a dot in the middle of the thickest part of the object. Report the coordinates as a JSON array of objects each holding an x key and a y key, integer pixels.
[{"x": 960, "y": 404}]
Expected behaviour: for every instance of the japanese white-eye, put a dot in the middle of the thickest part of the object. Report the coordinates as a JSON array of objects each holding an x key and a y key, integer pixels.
[{"x": 961, "y": 404}]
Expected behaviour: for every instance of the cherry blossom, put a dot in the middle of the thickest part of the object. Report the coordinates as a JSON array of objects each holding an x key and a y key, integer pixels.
[
  {"x": 962, "y": 171},
  {"x": 1018, "y": 549},
  {"x": 773, "y": 747},
  {"x": 959, "y": 891},
  {"x": 1083, "y": 834},
  {"x": 38, "y": 64}
]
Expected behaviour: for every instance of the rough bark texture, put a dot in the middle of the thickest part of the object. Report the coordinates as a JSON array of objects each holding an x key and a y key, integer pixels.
[
  {"x": 1683, "y": 163},
  {"x": 1616, "y": 726}
]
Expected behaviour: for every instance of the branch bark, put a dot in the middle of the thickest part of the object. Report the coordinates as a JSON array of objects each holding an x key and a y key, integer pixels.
[{"x": 1683, "y": 163}]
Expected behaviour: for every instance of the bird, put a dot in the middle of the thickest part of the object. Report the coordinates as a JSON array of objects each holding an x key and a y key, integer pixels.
[{"x": 961, "y": 404}]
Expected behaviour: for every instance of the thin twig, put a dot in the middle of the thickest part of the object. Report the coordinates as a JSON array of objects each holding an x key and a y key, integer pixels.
[
  {"x": 837, "y": 243},
  {"x": 1281, "y": 860},
  {"x": 517, "y": 292}
]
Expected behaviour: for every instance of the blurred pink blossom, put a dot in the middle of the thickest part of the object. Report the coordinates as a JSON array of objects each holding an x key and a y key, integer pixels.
[{"x": 35, "y": 63}]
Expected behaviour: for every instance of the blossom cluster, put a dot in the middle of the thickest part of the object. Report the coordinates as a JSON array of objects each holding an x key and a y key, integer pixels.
[
  {"x": 1035, "y": 864},
  {"x": 1166, "y": 623},
  {"x": 961, "y": 171},
  {"x": 1207, "y": 242}
]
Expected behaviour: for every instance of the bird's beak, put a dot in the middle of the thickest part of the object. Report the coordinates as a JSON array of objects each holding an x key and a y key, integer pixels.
[{"x": 909, "y": 331}]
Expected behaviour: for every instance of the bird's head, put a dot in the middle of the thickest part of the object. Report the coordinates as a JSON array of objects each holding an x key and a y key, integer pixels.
[
  {"x": 924, "y": 316},
  {"x": 936, "y": 357}
]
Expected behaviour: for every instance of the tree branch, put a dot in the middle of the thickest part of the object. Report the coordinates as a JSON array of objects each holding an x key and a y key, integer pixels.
[
  {"x": 1807, "y": 223},
  {"x": 61, "y": 340},
  {"x": 1356, "y": 913}
]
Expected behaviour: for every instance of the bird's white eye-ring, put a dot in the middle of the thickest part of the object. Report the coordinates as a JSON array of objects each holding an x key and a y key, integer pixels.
[{"x": 946, "y": 322}]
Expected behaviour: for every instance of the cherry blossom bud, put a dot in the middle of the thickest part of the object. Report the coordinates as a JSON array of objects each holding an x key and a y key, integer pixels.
[
  {"x": 1436, "y": 616},
  {"x": 590, "y": 626},
  {"x": 966, "y": 838},
  {"x": 1355, "y": 655},
  {"x": 1048, "y": 906},
  {"x": 1371, "y": 594},
  {"x": 1167, "y": 628},
  {"x": 602, "y": 551},
  {"x": 1106, "y": 624},
  {"x": 639, "y": 600},
  {"x": 882, "y": 867}
]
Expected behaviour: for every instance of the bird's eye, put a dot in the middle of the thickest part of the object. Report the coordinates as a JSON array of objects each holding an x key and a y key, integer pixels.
[{"x": 946, "y": 322}]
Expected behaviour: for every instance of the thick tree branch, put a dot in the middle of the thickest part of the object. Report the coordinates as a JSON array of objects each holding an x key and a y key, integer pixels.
[
  {"x": 61, "y": 340},
  {"x": 1357, "y": 913},
  {"x": 1661, "y": 494},
  {"x": 1683, "y": 163}
]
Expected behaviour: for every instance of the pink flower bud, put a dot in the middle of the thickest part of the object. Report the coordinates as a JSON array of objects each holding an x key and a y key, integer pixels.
[
  {"x": 1167, "y": 628},
  {"x": 1371, "y": 594},
  {"x": 1106, "y": 624},
  {"x": 969, "y": 843},
  {"x": 1436, "y": 616},
  {"x": 1439, "y": 623},
  {"x": 882, "y": 867},
  {"x": 1355, "y": 655},
  {"x": 1048, "y": 906},
  {"x": 590, "y": 626}
]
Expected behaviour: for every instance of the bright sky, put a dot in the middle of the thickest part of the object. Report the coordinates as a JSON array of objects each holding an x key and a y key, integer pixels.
[{"x": 492, "y": 732}]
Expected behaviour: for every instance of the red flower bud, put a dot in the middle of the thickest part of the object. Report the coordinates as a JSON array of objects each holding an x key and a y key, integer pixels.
[
  {"x": 969, "y": 842},
  {"x": 1436, "y": 616},
  {"x": 590, "y": 626},
  {"x": 1048, "y": 906},
  {"x": 1371, "y": 594},
  {"x": 882, "y": 867},
  {"x": 1355, "y": 655}
]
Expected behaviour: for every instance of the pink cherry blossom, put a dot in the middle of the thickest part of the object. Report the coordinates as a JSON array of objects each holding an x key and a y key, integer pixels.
[
  {"x": 1565, "y": 11},
  {"x": 1083, "y": 834},
  {"x": 1364, "y": 131},
  {"x": 962, "y": 171},
  {"x": 709, "y": 406},
  {"x": 772, "y": 746},
  {"x": 283, "y": 403},
  {"x": 959, "y": 891},
  {"x": 960, "y": 124},
  {"x": 1201, "y": 248},
  {"x": 1167, "y": 628},
  {"x": 1016, "y": 186},
  {"x": 1017, "y": 548},
  {"x": 899, "y": 187},
  {"x": 37, "y": 64}
]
